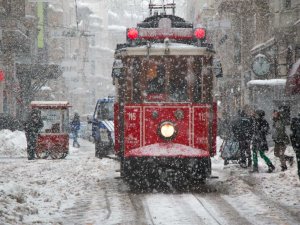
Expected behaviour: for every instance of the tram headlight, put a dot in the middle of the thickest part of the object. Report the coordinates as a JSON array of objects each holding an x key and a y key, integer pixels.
[{"x": 167, "y": 130}]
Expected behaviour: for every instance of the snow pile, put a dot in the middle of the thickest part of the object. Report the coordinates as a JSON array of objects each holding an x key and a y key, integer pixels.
[
  {"x": 117, "y": 28},
  {"x": 14, "y": 203},
  {"x": 42, "y": 191},
  {"x": 271, "y": 82},
  {"x": 12, "y": 144}
]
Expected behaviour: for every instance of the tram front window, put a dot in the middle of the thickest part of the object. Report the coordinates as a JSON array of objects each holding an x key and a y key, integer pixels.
[
  {"x": 105, "y": 111},
  {"x": 156, "y": 79},
  {"x": 166, "y": 80}
]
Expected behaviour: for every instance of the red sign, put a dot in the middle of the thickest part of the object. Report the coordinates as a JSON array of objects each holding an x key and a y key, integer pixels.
[
  {"x": 133, "y": 122},
  {"x": 2, "y": 75},
  {"x": 201, "y": 127}
]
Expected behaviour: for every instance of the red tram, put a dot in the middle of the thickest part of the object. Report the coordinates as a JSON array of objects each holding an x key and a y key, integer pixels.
[{"x": 165, "y": 114}]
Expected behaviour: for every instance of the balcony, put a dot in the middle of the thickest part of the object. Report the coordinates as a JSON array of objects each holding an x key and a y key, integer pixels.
[{"x": 14, "y": 35}]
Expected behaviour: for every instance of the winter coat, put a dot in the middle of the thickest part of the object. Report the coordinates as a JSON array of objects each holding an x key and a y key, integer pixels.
[
  {"x": 242, "y": 128},
  {"x": 279, "y": 133},
  {"x": 295, "y": 136},
  {"x": 260, "y": 131},
  {"x": 225, "y": 130},
  {"x": 34, "y": 123},
  {"x": 75, "y": 124}
]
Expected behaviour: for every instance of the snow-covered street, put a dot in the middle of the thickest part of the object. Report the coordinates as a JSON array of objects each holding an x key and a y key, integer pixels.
[{"x": 82, "y": 189}]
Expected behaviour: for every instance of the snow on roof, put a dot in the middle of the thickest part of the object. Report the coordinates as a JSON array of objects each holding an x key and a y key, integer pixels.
[
  {"x": 116, "y": 28},
  {"x": 55, "y": 8},
  {"x": 263, "y": 45},
  {"x": 272, "y": 82},
  {"x": 100, "y": 48},
  {"x": 131, "y": 15},
  {"x": 46, "y": 88},
  {"x": 297, "y": 22},
  {"x": 94, "y": 16},
  {"x": 113, "y": 14},
  {"x": 95, "y": 24},
  {"x": 260, "y": 55},
  {"x": 50, "y": 103},
  {"x": 160, "y": 49}
]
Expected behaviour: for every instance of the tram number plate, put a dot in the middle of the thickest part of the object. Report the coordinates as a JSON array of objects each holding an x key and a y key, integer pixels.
[{"x": 104, "y": 135}]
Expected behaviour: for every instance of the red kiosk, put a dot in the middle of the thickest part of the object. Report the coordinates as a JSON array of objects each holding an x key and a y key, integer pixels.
[{"x": 53, "y": 139}]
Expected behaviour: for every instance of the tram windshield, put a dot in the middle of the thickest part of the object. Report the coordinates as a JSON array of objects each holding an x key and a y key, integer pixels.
[
  {"x": 156, "y": 77},
  {"x": 166, "y": 80},
  {"x": 105, "y": 111}
]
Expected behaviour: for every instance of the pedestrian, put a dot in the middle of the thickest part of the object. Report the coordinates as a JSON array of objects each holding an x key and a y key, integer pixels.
[
  {"x": 280, "y": 139},
  {"x": 259, "y": 140},
  {"x": 225, "y": 127},
  {"x": 32, "y": 127},
  {"x": 295, "y": 139},
  {"x": 242, "y": 129},
  {"x": 75, "y": 127}
]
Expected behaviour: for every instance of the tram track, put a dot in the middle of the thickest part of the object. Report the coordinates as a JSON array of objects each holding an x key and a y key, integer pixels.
[
  {"x": 284, "y": 211},
  {"x": 207, "y": 210}
]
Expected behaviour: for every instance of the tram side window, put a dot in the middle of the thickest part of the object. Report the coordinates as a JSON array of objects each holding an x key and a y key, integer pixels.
[
  {"x": 136, "y": 68},
  {"x": 156, "y": 79},
  {"x": 197, "y": 92}
]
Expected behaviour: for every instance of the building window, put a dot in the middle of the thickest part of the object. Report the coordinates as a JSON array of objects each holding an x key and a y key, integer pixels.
[{"x": 288, "y": 4}]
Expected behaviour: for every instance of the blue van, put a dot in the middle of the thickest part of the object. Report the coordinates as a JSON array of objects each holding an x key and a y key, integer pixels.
[{"x": 103, "y": 127}]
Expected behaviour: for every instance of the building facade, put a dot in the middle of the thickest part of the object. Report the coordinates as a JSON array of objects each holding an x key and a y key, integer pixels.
[{"x": 247, "y": 31}]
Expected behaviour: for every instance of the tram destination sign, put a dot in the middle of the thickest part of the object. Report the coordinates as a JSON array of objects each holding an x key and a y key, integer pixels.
[{"x": 161, "y": 33}]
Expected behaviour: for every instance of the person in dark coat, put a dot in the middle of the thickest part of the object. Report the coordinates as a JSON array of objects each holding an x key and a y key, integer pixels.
[
  {"x": 32, "y": 127},
  {"x": 242, "y": 129},
  {"x": 259, "y": 140},
  {"x": 281, "y": 140},
  {"x": 75, "y": 127},
  {"x": 295, "y": 139}
]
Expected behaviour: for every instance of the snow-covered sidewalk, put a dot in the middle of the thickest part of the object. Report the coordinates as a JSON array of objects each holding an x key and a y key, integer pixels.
[
  {"x": 283, "y": 188},
  {"x": 38, "y": 191}
]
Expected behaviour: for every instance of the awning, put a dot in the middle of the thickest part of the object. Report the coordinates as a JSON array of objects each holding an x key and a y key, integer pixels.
[{"x": 293, "y": 81}]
